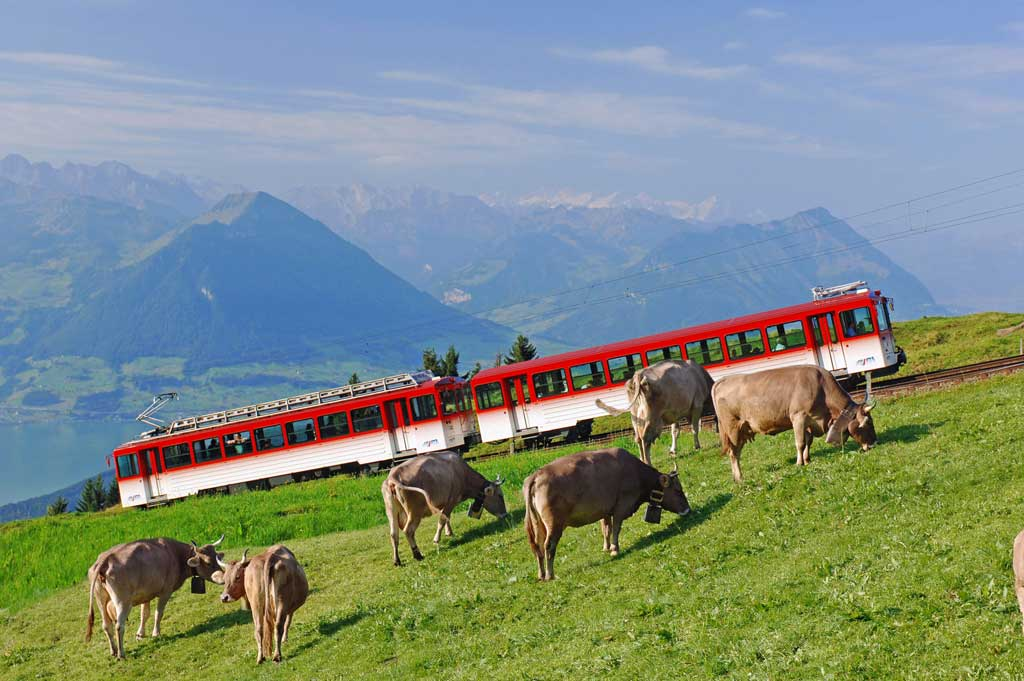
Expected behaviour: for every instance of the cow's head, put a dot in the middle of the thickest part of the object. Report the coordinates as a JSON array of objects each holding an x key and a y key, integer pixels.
[
  {"x": 674, "y": 497},
  {"x": 494, "y": 500},
  {"x": 232, "y": 576},
  {"x": 204, "y": 559},
  {"x": 854, "y": 421}
]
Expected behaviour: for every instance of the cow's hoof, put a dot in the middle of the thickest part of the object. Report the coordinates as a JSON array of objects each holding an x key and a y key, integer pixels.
[
  {"x": 398, "y": 563},
  {"x": 417, "y": 555},
  {"x": 277, "y": 659},
  {"x": 139, "y": 637},
  {"x": 259, "y": 660},
  {"x": 614, "y": 553}
]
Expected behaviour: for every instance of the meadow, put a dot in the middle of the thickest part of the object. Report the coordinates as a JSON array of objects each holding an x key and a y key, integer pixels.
[{"x": 889, "y": 564}]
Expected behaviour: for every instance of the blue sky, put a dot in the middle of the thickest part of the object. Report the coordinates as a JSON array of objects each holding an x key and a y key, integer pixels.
[{"x": 773, "y": 108}]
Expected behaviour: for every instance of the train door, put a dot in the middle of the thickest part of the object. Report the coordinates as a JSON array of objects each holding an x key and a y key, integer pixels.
[
  {"x": 826, "y": 343},
  {"x": 149, "y": 460},
  {"x": 519, "y": 399},
  {"x": 398, "y": 422}
]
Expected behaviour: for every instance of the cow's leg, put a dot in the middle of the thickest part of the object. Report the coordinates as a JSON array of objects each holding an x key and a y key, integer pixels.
[
  {"x": 800, "y": 434},
  {"x": 444, "y": 522},
  {"x": 536, "y": 535},
  {"x": 675, "y": 436},
  {"x": 410, "y": 535},
  {"x": 605, "y": 531},
  {"x": 616, "y": 525},
  {"x": 287, "y": 626},
  {"x": 695, "y": 415},
  {"x": 808, "y": 439},
  {"x": 161, "y": 603},
  {"x": 550, "y": 546},
  {"x": 279, "y": 629},
  {"x": 647, "y": 445},
  {"x": 257, "y": 625},
  {"x": 448, "y": 525},
  {"x": 141, "y": 633},
  {"x": 122, "y": 619},
  {"x": 734, "y": 459},
  {"x": 109, "y": 617}
]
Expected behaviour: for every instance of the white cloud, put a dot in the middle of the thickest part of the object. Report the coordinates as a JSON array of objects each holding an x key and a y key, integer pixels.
[
  {"x": 734, "y": 45},
  {"x": 85, "y": 64},
  {"x": 654, "y": 59},
  {"x": 763, "y": 13}
]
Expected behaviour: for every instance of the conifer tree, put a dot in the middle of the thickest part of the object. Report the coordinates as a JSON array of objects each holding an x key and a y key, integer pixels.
[
  {"x": 353, "y": 379},
  {"x": 450, "y": 362},
  {"x": 58, "y": 507},
  {"x": 94, "y": 496},
  {"x": 431, "y": 363},
  {"x": 113, "y": 494},
  {"x": 522, "y": 350}
]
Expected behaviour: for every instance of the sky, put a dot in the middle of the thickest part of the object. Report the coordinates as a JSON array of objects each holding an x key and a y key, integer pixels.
[{"x": 772, "y": 108}]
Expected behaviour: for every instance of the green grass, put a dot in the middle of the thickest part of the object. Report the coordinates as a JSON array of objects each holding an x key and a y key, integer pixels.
[
  {"x": 934, "y": 343},
  {"x": 890, "y": 564}
]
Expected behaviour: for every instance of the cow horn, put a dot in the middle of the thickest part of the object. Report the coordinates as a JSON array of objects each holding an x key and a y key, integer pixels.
[
  {"x": 244, "y": 554},
  {"x": 217, "y": 543},
  {"x": 869, "y": 405},
  {"x": 222, "y": 564},
  {"x": 675, "y": 470},
  {"x": 194, "y": 544},
  {"x": 498, "y": 480}
]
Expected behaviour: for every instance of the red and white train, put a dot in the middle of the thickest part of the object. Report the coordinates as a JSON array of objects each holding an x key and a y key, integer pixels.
[
  {"x": 346, "y": 428},
  {"x": 845, "y": 329}
]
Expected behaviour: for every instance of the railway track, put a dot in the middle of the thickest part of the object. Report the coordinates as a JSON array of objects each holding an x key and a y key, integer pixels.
[{"x": 902, "y": 385}]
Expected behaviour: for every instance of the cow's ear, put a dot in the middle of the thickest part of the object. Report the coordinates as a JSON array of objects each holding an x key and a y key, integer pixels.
[
  {"x": 489, "y": 490},
  {"x": 220, "y": 556},
  {"x": 664, "y": 479},
  {"x": 193, "y": 561}
]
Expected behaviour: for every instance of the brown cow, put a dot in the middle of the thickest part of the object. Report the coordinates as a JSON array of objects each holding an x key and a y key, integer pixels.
[
  {"x": 607, "y": 485},
  {"x": 273, "y": 586},
  {"x": 806, "y": 399},
  {"x": 435, "y": 483},
  {"x": 136, "y": 573},
  {"x": 1018, "y": 572},
  {"x": 665, "y": 393}
]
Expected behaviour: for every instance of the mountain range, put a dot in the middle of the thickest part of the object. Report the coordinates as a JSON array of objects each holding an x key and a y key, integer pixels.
[{"x": 115, "y": 284}]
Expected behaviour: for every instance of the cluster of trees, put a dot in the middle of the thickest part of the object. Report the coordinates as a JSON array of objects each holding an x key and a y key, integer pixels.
[
  {"x": 95, "y": 497},
  {"x": 448, "y": 365}
]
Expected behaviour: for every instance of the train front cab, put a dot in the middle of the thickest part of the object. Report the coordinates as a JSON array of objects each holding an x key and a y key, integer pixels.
[
  {"x": 428, "y": 423},
  {"x": 856, "y": 340},
  {"x": 136, "y": 482}
]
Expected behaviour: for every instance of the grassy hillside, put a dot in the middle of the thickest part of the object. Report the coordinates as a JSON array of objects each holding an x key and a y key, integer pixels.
[
  {"x": 942, "y": 342},
  {"x": 894, "y": 564}
]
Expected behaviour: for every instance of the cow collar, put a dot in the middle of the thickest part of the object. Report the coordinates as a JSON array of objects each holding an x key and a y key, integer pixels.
[{"x": 476, "y": 507}]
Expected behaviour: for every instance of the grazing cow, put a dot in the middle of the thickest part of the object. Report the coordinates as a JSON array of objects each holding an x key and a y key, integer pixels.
[
  {"x": 665, "y": 393},
  {"x": 1018, "y": 572},
  {"x": 607, "y": 485},
  {"x": 435, "y": 483},
  {"x": 806, "y": 399},
  {"x": 136, "y": 573},
  {"x": 272, "y": 585}
]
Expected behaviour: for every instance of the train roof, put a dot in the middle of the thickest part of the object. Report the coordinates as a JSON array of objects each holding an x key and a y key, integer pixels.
[
  {"x": 298, "y": 403},
  {"x": 671, "y": 337}
]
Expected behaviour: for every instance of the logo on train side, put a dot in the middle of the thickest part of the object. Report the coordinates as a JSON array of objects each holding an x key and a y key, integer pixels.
[
  {"x": 866, "y": 361},
  {"x": 430, "y": 443}
]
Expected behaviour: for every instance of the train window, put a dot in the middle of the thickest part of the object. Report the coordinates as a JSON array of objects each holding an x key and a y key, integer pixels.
[
  {"x": 707, "y": 351},
  {"x": 466, "y": 401},
  {"x": 856, "y": 322},
  {"x": 423, "y": 407},
  {"x": 745, "y": 343},
  {"x": 207, "y": 449},
  {"x": 236, "y": 444},
  {"x": 127, "y": 466},
  {"x": 269, "y": 437},
  {"x": 177, "y": 456},
  {"x": 548, "y": 383},
  {"x": 366, "y": 418},
  {"x": 449, "y": 402},
  {"x": 883, "y": 316},
  {"x": 623, "y": 368},
  {"x": 786, "y": 335},
  {"x": 333, "y": 425},
  {"x": 586, "y": 376},
  {"x": 662, "y": 354},
  {"x": 299, "y": 432},
  {"x": 489, "y": 396}
]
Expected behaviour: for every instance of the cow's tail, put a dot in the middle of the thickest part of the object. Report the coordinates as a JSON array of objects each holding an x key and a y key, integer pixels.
[
  {"x": 269, "y": 605},
  {"x": 531, "y": 519},
  {"x": 426, "y": 497},
  {"x": 613, "y": 410},
  {"x": 91, "y": 619}
]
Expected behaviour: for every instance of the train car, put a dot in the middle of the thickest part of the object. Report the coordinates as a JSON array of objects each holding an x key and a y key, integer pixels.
[
  {"x": 346, "y": 428},
  {"x": 845, "y": 329}
]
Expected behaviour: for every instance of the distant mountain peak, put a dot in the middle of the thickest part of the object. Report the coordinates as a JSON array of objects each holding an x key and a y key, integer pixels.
[
  {"x": 568, "y": 198},
  {"x": 235, "y": 207}
]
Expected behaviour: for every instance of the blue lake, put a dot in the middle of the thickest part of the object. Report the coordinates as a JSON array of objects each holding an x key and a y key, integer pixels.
[{"x": 37, "y": 458}]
